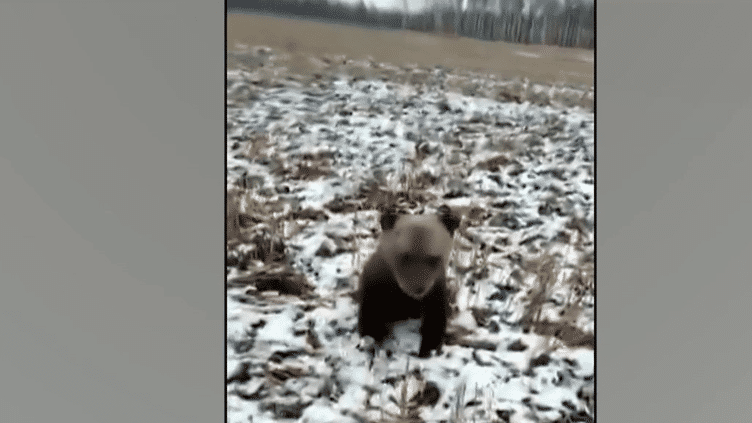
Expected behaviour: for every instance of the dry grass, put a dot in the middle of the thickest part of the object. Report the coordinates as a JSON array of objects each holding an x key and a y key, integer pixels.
[
  {"x": 233, "y": 217},
  {"x": 579, "y": 284},
  {"x": 300, "y": 39},
  {"x": 256, "y": 146}
]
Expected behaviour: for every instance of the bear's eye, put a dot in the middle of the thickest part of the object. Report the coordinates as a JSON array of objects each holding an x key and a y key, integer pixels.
[
  {"x": 407, "y": 259},
  {"x": 433, "y": 261}
]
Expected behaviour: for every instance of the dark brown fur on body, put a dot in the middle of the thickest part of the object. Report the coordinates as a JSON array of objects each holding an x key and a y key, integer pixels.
[{"x": 426, "y": 241}]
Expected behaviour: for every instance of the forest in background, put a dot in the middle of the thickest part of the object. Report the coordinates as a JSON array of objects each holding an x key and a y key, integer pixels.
[{"x": 565, "y": 23}]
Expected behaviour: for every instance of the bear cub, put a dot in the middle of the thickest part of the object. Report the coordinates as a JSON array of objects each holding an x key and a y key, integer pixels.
[{"x": 406, "y": 277}]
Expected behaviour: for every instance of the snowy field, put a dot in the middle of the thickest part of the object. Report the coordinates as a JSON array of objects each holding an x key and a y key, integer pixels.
[{"x": 308, "y": 159}]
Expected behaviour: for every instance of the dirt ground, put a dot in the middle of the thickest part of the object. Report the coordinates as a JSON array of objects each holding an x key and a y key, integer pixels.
[{"x": 544, "y": 64}]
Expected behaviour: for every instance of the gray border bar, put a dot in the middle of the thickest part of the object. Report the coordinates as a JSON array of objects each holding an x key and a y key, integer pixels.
[{"x": 111, "y": 234}]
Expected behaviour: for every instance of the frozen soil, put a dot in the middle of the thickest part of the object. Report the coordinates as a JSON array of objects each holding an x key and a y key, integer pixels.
[{"x": 309, "y": 158}]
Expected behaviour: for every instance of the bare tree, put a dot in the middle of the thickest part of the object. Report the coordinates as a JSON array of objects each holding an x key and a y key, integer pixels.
[{"x": 404, "y": 14}]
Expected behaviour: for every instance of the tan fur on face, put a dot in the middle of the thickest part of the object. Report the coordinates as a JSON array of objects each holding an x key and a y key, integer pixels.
[{"x": 426, "y": 242}]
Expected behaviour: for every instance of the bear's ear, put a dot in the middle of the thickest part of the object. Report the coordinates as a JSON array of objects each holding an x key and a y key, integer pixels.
[
  {"x": 388, "y": 219},
  {"x": 450, "y": 220}
]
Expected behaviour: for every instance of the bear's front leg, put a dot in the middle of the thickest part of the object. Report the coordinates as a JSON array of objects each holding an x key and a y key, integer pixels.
[
  {"x": 435, "y": 310},
  {"x": 372, "y": 321}
]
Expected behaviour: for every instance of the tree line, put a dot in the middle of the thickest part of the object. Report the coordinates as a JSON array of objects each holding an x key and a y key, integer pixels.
[{"x": 566, "y": 23}]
